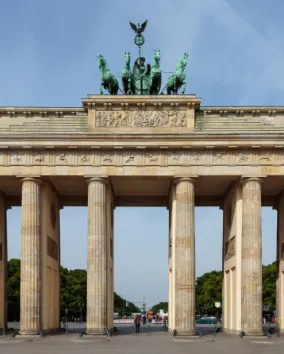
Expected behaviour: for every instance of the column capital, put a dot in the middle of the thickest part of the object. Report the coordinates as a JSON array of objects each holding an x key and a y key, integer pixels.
[
  {"x": 191, "y": 179},
  {"x": 101, "y": 179},
  {"x": 245, "y": 179},
  {"x": 36, "y": 179}
]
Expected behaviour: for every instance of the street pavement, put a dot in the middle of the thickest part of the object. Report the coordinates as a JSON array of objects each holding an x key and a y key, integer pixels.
[{"x": 152, "y": 339}]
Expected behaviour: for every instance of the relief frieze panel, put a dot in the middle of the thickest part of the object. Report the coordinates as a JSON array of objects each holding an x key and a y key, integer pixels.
[
  {"x": 145, "y": 157},
  {"x": 141, "y": 119}
]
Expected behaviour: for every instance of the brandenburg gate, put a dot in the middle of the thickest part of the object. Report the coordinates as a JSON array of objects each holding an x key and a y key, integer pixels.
[
  {"x": 161, "y": 150},
  {"x": 141, "y": 148}
]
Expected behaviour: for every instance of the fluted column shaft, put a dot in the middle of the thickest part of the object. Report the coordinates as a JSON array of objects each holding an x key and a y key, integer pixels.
[
  {"x": 280, "y": 265},
  {"x": 251, "y": 257},
  {"x": 97, "y": 257},
  {"x": 30, "y": 257},
  {"x": 3, "y": 264},
  {"x": 184, "y": 258}
]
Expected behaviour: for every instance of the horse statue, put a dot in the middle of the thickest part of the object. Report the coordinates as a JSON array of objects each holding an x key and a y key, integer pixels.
[
  {"x": 177, "y": 80},
  {"x": 155, "y": 79},
  {"x": 108, "y": 81},
  {"x": 127, "y": 75}
]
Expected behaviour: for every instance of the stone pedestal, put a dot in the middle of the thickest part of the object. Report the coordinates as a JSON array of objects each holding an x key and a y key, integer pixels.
[
  {"x": 251, "y": 258},
  {"x": 30, "y": 257},
  {"x": 184, "y": 258},
  {"x": 280, "y": 265},
  {"x": 97, "y": 257},
  {"x": 3, "y": 265}
]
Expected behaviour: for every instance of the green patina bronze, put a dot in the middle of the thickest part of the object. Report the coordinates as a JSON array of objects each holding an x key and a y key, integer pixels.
[
  {"x": 108, "y": 80},
  {"x": 143, "y": 79}
]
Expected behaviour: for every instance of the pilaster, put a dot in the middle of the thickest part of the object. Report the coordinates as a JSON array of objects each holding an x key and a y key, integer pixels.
[
  {"x": 97, "y": 256},
  {"x": 251, "y": 257}
]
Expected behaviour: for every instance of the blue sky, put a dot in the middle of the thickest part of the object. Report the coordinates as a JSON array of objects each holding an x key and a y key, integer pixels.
[{"x": 49, "y": 58}]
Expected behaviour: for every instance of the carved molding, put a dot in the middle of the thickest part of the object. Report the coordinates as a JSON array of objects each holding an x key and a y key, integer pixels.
[
  {"x": 141, "y": 119},
  {"x": 158, "y": 157}
]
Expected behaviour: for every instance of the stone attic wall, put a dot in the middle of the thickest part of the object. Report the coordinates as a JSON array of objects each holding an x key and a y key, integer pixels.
[
  {"x": 41, "y": 120},
  {"x": 37, "y": 120},
  {"x": 239, "y": 119}
]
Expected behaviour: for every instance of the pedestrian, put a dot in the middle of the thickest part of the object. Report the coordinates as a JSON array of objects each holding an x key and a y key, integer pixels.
[
  {"x": 137, "y": 323},
  {"x": 144, "y": 320}
]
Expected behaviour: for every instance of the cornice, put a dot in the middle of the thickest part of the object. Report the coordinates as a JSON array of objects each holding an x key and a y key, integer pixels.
[{"x": 125, "y": 101}]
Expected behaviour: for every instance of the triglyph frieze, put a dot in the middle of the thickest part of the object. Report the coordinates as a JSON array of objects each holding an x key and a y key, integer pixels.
[
  {"x": 146, "y": 119},
  {"x": 145, "y": 157}
]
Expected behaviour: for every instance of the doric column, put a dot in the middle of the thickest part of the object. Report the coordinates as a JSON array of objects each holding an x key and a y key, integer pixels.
[
  {"x": 3, "y": 264},
  {"x": 280, "y": 266},
  {"x": 30, "y": 314},
  {"x": 97, "y": 257},
  {"x": 251, "y": 257},
  {"x": 184, "y": 248}
]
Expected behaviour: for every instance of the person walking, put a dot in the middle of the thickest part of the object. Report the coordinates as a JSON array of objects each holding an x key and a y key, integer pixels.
[{"x": 137, "y": 323}]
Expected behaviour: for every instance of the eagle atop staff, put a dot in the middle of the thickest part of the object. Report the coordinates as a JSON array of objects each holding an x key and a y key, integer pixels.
[{"x": 138, "y": 29}]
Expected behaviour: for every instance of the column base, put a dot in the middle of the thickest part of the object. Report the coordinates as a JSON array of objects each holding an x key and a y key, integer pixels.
[
  {"x": 253, "y": 333},
  {"x": 95, "y": 332},
  {"x": 186, "y": 334},
  {"x": 29, "y": 332}
]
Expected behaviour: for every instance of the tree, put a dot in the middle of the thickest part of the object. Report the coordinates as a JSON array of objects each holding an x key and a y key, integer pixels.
[
  {"x": 121, "y": 308},
  {"x": 208, "y": 291},
  {"x": 160, "y": 306},
  {"x": 13, "y": 289},
  {"x": 73, "y": 293},
  {"x": 269, "y": 276}
]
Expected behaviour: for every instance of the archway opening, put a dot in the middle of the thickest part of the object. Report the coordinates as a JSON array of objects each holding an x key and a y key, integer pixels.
[{"x": 141, "y": 241}]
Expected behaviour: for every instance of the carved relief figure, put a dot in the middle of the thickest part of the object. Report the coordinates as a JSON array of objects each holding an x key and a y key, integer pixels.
[
  {"x": 151, "y": 158},
  {"x": 266, "y": 156},
  {"x": 129, "y": 158},
  {"x": 39, "y": 157},
  {"x": 85, "y": 158},
  {"x": 62, "y": 157},
  {"x": 17, "y": 157},
  {"x": 242, "y": 157},
  {"x": 107, "y": 158},
  {"x": 143, "y": 119}
]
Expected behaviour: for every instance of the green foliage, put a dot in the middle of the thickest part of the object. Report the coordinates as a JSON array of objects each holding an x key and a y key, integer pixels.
[
  {"x": 160, "y": 306},
  {"x": 269, "y": 276},
  {"x": 73, "y": 293},
  {"x": 120, "y": 306},
  {"x": 208, "y": 291},
  {"x": 14, "y": 289}
]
